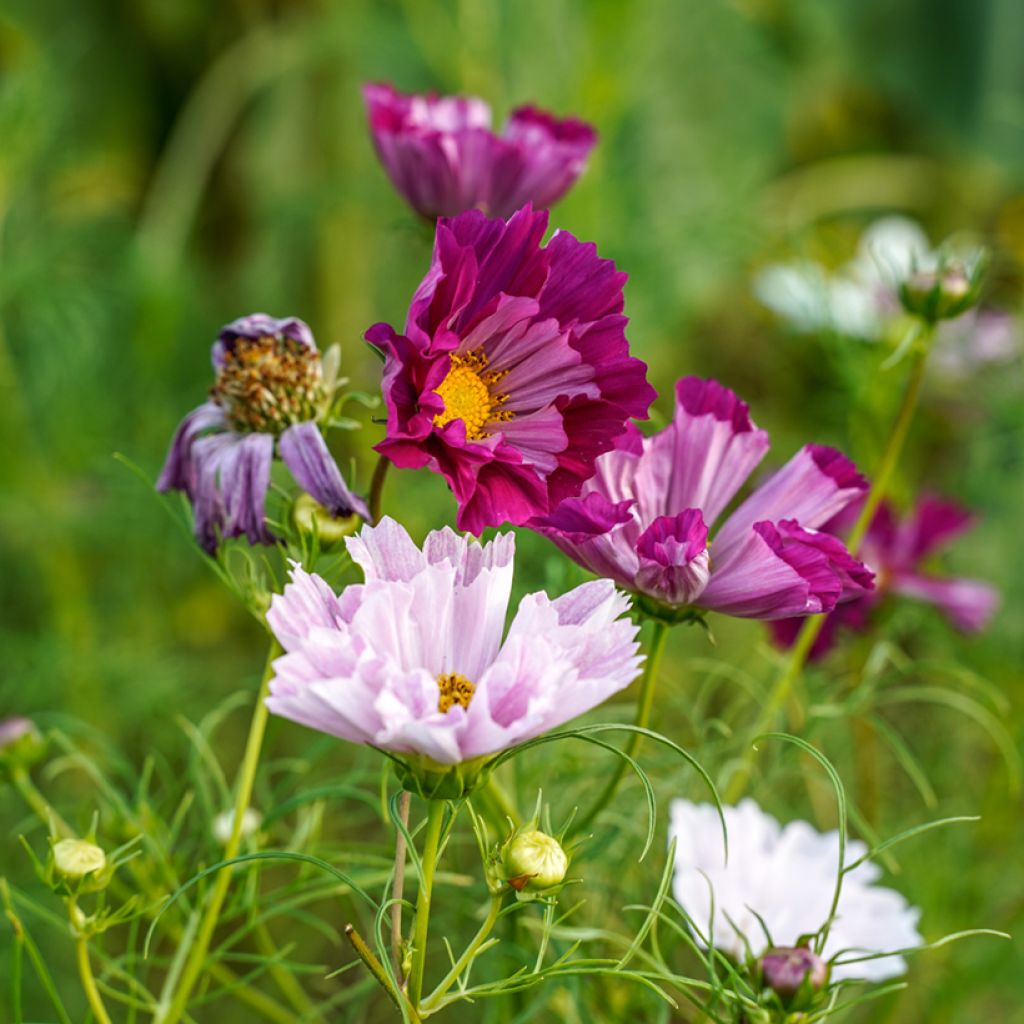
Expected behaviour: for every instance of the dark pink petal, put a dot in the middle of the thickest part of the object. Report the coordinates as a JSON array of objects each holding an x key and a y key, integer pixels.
[
  {"x": 673, "y": 553},
  {"x": 305, "y": 453},
  {"x": 851, "y": 615},
  {"x": 968, "y": 604},
  {"x": 933, "y": 524}
]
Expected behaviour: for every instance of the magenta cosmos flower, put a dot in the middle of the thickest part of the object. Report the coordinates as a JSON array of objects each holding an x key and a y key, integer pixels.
[
  {"x": 268, "y": 394},
  {"x": 414, "y": 661},
  {"x": 899, "y": 551},
  {"x": 514, "y": 373},
  {"x": 644, "y": 519},
  {"x": 441, "y": 154}
]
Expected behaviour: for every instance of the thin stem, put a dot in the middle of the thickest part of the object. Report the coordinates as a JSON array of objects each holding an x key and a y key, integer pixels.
[
  {"x": 813, "y": 625},
  {"x": 39, "y": 804},
  {"x": 645, "y": 703},
  {"x": 196, "y": 962},
  {"x": 430, "y": 1003},
  {"x": 286, "y": 983},
  {"x": 380, "y": 473},
  {"x": 376, "y": 968},
  {"x": 431, "y": 842},
  {"x": 398, "y": 885},
  {"x": 88, "y": 981}
]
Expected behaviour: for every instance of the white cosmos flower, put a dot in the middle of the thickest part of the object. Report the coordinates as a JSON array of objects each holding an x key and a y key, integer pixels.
[{"x": 785, "y": 874}]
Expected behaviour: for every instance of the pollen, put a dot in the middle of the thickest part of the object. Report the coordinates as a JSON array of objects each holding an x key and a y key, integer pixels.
[
  {"x": 468, "y": 392},
  {"x": 455, "y": 689}
]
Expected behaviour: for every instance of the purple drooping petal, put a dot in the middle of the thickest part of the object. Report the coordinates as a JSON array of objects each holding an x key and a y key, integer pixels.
[
  {"x": 305, "y": 453},
  {"x": 179, "y": 472},
  {"x": 443, "y": 158},
  {"x": 674, "y": 560},
  {"x": 260, "y": 325},
  {"x": 968, "y": 604}
]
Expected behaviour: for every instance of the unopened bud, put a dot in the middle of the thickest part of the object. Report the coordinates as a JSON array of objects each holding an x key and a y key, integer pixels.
[
  {"x": 942, "y": 293},
  {"x": 534, "y": 860},
  {"x": 76, "y": 858},
  {"x": 222, "y": 825},
  {"x": 21, "y": 743},
  {"x": 787, "y": 968},
  {"x": 309, "y": 515}
]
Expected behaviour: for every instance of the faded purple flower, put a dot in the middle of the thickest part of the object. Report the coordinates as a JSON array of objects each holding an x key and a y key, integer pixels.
[
  {"x": 898, "y": 551},
  {"x": 267, "y": 394},
  {"x": 416, "y": 660},
  {"x": 643, "y": 519},
  {"x": 441, "y": 154},
  {"x": 514, "y": 373}
]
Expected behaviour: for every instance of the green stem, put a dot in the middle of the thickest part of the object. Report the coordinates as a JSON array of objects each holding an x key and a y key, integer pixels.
[
  {"x": 376, "y": 968},
  {"x": 380, "y": 473},
  {"x": 92, "y": 993},
  {"x": 431, "y": 842},
  {"x": 431, "y": 1002},
  {"x": 39, "y": 804},
  {"x": 643, "y": 715},
  {"x": 196, "y": 963},
  {"x": 813, "y": 625}
]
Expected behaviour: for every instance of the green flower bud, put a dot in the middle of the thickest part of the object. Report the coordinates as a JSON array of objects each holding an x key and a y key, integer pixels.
[
  {"x": 534, "y": 861},
  {"x": 76, "y": 858},
  {"x": 21, "y": 744},
  {"x": 308, "y": 514},
  {"x": 942, "y": 293}
]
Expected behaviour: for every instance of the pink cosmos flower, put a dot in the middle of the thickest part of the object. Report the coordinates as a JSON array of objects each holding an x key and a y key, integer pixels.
[
  {"x": 643, "y": 520},
  {"x": 441, "y": 154},
  {"x": 898, "y": 551},
  {"x": 514, "y": 373},
  {"x": 414, "y": 661}
]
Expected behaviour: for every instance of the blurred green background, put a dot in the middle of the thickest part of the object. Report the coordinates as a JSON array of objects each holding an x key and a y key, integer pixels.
[{"x": 165, "y": 167}]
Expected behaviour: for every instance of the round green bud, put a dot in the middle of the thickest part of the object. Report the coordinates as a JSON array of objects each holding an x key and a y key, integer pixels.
[
  {"x": 940, "y": 294},
  {"x": 308, "y": 514},
  {"x": 534, "y": 860},
  {"x": 21, "y": 744},
  {"x": 76, "y": 858}
]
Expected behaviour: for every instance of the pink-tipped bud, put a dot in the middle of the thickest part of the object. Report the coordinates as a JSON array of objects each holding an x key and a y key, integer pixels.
[
  {"x": 21, "y": 744},
  {"x": 943, "y": 293},
  {"x": 787, "y": 968}
]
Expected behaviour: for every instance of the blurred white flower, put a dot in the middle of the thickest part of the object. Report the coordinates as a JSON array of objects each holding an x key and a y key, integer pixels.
[
  {"x": 786, "y": 875},
  {"x": 222, "y": 824}
]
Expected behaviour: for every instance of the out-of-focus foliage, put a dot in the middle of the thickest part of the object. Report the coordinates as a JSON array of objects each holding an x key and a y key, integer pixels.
[{"x": 166, "y": 167}]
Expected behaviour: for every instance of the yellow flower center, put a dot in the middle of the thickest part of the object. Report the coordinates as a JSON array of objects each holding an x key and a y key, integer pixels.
[
  {"x": 468, "y": 396},
  {"x": 455, "y": 689}
]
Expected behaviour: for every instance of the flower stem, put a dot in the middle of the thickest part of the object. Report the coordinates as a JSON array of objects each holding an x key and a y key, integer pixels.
[
  {"x": 39, "y": 804},
  {"x": 380, "y": 473},
  {"x": 92, "y": 993},
  {"x": 399, "y": 884},
  {"x": 643, "y": 716},
  {"x": 431, "y": 843},
  {"x": 376, "y": 968},
  {"x": 431, "y": 1002},
  {"x": 813, "y": 625},
  {"x": 196, "y": 963}
]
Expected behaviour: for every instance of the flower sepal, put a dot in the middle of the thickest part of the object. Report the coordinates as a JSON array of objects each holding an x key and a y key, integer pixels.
[
  {"x": 945, "y": 291},
  {"x": 431, "y": 780},
  {"x": 653, "y": 609}
]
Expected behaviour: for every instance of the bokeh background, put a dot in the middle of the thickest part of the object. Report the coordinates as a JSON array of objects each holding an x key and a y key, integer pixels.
[{"x": 165, "y": 167}]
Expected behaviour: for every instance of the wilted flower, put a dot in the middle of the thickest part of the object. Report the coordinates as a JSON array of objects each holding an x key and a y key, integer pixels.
[
  {"x": 441, "y": 154},
  {"x": 413, "y": 660},
  {"x": 514, "y": 371},
  {"x": 898, "y": 551},
  {"x": 643, "y": 519},
  {"x": 784, "y": 875},
  {"x": 224, "y": 823},
  {"x": 268, "y": 394},
  {"x": 76, "y": 858},
  {"x": 535, "y": 861}
]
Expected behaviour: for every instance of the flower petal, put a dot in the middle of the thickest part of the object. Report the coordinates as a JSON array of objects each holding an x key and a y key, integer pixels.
[{"x": 306, "y": 455}]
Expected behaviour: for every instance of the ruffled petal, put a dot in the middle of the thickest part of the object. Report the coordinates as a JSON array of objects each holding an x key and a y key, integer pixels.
[{"x": 674, "y": 561}]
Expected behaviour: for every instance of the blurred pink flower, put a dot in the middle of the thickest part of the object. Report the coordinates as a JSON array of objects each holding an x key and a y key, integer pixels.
[
  {"x": 441, "y": 154},
  {"x": 643, "y": 519},
  {"x": 413, "y": 661},
  {"x": 514, "y": 371}
]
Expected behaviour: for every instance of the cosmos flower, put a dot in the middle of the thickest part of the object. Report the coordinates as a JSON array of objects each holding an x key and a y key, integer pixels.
[
  {"x": 644, "y": 518},
  {"x": 442, "y": 156},
  {"x": 514, "y": 372},
  {"x": 898, "y": 551},
  {"x": 787, "y": 876},
  {"x": 269, "y": 392},
  {"x": 414, "y": 661}
]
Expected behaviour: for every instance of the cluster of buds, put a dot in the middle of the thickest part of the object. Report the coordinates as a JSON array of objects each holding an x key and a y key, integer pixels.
[{"x": 943, "y": 291}]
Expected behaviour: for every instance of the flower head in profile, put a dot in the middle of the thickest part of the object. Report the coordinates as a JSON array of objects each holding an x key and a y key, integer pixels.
[
  {"x": 443, "y": 157},
  {"x": 899, "y": 550},
  {"x": 782, "y": 878},
  {"x": 416, "y": 660},
  {"x": 513, "y": 373},
  {"x": 644, "y": 518},
  {"x": 269, "y": 392}
]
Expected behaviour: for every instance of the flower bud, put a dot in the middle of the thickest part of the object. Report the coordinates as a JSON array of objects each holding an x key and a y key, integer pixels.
[
  {"x": 941, "y": 293},
  {"x": 309, "y": 515},
  {"x": 76, "y": 858},
  {"x": 21, "y": 743},
  {"x": 534, "y": 861},
  {"x": 786, "y": 968},
  {"x": 222, "y": 824}
]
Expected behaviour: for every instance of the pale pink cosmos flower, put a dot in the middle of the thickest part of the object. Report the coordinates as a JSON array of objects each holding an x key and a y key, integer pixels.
[{"x": 416, "y": 660}]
